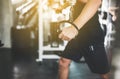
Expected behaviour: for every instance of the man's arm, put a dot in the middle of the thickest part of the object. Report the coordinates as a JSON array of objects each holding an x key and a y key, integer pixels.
[{"x": 87, "y": 13}]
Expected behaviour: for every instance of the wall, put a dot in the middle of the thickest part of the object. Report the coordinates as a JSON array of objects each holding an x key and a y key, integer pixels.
[{"x": 6, "y": 21}]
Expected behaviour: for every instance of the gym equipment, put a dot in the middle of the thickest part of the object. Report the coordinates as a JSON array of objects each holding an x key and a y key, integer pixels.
[{"x": 1, "y": 44}]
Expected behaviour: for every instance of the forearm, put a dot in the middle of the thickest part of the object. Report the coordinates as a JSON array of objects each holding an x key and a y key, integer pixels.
[{"x": 87, "y": 13}]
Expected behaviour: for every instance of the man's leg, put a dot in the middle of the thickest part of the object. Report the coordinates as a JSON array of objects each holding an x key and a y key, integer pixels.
[
  {"x": 64, "y": 68},
  {"x": 105, "y": 76}
]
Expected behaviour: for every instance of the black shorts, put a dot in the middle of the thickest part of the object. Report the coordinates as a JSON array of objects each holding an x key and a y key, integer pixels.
[{"x": 89, "y": 44}]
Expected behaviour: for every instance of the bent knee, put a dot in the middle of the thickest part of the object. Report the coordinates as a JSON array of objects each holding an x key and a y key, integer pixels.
[{"x": 64, "y": 62}]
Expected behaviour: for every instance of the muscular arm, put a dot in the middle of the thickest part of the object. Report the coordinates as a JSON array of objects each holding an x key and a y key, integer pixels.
[{"x": 87, "y": 13}]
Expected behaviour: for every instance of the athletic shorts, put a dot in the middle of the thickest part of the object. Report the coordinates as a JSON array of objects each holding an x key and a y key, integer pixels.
[{"x": 89, "y": 44}]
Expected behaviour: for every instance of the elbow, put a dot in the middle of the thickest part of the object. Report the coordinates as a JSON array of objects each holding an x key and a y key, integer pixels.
[
  {"x": 99, "y": 2},
  {"x": 96, "y": 2}
]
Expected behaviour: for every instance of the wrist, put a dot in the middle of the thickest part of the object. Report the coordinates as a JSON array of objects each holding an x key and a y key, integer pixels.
[
  {"x": 75, "y": 30},
  {"x": 75, "y": 26}
]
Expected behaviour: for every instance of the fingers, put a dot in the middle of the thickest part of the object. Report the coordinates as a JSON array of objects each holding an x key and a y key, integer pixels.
[
  {"x": 63, "y": 37},
  {"x": 68, "y": 33}
]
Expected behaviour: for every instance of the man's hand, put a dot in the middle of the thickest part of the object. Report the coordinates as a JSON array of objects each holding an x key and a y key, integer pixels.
[{"x": 68, "y": 33}]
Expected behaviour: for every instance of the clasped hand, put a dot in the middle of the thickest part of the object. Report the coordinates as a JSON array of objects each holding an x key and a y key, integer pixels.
[{"x": 68, "y": 33}]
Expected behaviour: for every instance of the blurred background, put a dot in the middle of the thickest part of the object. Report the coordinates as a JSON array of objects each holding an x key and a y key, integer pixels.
[{"x": 29, "y": 43}]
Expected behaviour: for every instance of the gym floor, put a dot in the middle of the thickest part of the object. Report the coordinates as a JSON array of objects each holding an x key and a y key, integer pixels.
[{"x": 25, "y": 67}]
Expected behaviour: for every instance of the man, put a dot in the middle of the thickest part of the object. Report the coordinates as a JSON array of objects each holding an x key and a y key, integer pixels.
[{"x": 86, "y": 38}]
